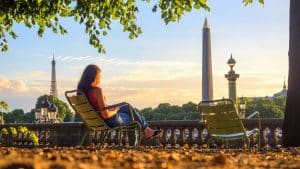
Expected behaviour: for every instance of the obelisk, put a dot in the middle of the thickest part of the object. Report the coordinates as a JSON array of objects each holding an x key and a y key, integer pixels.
[
  {"x": 53, "y": 88},
  {"x": 207, "y": 81}
]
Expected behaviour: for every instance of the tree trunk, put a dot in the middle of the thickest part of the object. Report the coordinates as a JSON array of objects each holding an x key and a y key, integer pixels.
[{"x": 291, "y": 124}]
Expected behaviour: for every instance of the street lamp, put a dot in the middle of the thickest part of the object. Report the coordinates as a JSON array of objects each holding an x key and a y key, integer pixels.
[
  {"x": 44, "y": 108},
  {"x": 52, "y": 109},
  {"x": 242, "y": 106}
]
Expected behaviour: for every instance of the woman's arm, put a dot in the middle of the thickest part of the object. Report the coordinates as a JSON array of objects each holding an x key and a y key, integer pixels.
[{"x": 101, "y": 101}]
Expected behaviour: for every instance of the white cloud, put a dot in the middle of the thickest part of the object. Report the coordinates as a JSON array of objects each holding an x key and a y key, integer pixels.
[
  {"x": 14, "y": 86},
  {"x": 142, "y": 83},
  {"x": 38, "y": 74}
]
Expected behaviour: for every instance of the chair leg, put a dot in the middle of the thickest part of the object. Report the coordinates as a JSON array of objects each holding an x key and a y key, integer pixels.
[
  {"x": 259, "y": 143},
  {"x": 208, "y": 142},
  {"x": 245, "y": 144},
  {"x": 226, "y": 141},
  {"x": 120, "y": 136},
  {"x": 135, "y": 135},
  {"x": 103, "y": 136},
  {"x": 140, "y": 133},
  {"x": 248, "y": 142},
  {"x": 83, "y": 138}
]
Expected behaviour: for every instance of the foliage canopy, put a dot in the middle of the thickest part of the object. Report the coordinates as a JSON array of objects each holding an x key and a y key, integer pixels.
[{"x": 96, "y": 15}]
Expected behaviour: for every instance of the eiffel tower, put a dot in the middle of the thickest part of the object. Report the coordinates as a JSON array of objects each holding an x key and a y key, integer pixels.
[{"x": 53, "y": 89}]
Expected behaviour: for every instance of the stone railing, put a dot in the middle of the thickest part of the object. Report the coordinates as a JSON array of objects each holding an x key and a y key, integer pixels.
[
  {"x": 175, "y": 133},
  {"x": 194, "y": 132}
]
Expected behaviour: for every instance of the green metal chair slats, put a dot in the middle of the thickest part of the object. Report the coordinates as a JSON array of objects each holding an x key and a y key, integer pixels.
[
  {"x": 82, "y": 108},
  {"x": 228, "y": 130},
  {"x": 94, "y": 122},
  {"x": 225, "y": 125},
  {"x": 76, "y": 100},
  {"x": 223, "y": 122},
  {"x": 210, "y": 108},
  {"x": 90, "y": 115},
  {"x": 92, "y": 119}
]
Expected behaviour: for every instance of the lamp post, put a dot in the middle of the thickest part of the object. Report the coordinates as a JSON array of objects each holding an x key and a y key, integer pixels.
[
  {"x": 52, "y": 109},
  {"x": 44, "y": 108},
  {"x": 242, "y": 106},
  {"x": 232, "y": 77}
]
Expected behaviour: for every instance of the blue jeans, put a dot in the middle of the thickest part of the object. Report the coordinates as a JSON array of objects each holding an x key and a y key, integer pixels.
[{"x": 122, "y": 117}]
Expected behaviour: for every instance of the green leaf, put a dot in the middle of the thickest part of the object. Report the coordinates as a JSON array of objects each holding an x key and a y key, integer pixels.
[
  {"x": 131, "y": 36},
  {"x": 102, "y": 24},
  {"x": 179, "y": 11},
  {"x": 54, "y": 30},
  {"x": 197, "y": 6},
  {"x": 154, "y": 9},
  {"x": 41, "y": 31}
]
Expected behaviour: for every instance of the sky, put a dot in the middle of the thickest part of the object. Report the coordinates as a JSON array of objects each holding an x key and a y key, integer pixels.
[{"x": 163, "y": 65}]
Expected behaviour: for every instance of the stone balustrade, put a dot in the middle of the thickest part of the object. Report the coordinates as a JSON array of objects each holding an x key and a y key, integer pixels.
[{"x": 175, "y": 133}]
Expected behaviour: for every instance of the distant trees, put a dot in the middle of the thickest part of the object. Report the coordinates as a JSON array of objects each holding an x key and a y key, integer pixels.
[
  {"x": 268, "y": 108},
  {"x": 19, "y": 116},
  {"x": 166, "y": 111},
  {"x": 189, "y": 111}
]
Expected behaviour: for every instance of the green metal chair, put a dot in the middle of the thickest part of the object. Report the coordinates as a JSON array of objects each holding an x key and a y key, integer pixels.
[
  {"x": 223, "y": 122},
  {"x": 94, "y": 122}
]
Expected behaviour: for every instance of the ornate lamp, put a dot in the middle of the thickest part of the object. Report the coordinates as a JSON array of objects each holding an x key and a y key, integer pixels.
[
  {"x": 52, "y": 109},
  {"x": 44, "y": 108}
]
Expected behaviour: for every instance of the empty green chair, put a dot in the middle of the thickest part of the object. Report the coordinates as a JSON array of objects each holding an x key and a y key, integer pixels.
[
  {"x": 222, "y": 121},
  {"x": 94, "y": 122}
]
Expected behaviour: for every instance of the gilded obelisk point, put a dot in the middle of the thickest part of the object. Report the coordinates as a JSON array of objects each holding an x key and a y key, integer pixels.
[{"x": 207, "y": 81}]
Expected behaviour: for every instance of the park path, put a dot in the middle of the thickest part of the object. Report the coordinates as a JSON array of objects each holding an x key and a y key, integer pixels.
[{"x": 145, "y": 157}]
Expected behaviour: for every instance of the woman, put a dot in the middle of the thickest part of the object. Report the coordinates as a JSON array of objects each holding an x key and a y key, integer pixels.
[{"x": 90, "y": 85}]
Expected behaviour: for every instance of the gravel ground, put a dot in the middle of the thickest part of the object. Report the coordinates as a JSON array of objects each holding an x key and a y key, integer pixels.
[{"x": 146, "y": 157}]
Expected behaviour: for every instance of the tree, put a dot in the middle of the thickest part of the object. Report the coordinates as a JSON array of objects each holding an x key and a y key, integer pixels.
[
  {"x": 266, "y": 107},
  {"x": 29, "y": 117},
  {"x": 97, "y": 17},
  {"x": 291, "y": 124},
  {"x": 68, "y": 117},
  {"x": 16, "y": 116},
  {"x": 3, "y": 107},
  {"x": 62, "y": 108},
  {"x": 166, "y": 111}
]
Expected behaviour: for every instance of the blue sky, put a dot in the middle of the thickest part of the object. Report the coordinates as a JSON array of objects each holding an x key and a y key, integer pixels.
[{"x": 161, "y": 65}]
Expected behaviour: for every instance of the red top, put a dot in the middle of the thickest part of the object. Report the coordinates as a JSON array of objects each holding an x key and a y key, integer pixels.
[{"x": 96, "y": 98}]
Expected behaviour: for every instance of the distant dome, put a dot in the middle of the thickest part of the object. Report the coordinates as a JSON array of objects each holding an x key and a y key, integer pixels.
[{"x": 282, "y": 93}]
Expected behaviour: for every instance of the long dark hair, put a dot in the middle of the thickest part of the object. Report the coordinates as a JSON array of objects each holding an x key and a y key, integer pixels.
[{"x": 87, "y": 77}]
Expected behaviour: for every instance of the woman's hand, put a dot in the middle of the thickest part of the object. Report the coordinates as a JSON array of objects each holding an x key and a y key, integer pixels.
[
  {"x": 109, "y": 112},
  {"x": 114, "y": 109}
]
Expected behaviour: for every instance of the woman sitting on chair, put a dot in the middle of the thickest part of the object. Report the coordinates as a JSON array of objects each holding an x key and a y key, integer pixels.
[{"x": 90, "y": 85}]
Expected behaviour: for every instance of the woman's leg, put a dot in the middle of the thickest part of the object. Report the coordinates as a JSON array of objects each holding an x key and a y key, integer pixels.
[
  {"x": 119, "y": 119},
  {"x": 137, "y": 117}
]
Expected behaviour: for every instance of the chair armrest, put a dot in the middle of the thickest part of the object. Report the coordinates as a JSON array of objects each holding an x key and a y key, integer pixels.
[
  {"x": 120, "y": 105},
  {"x": 116, "y": 105},
  {"x": 256, "y": 113}
]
